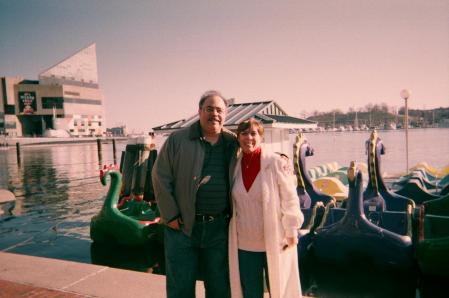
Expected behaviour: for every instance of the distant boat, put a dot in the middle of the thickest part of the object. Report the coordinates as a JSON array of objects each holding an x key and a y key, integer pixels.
[
  {"x": 390, "y": 126},
  {"x": 363, "y": 127}
]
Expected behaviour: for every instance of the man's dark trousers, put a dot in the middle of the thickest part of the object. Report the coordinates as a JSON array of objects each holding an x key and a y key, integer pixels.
[{"x": 207, "y": 249}]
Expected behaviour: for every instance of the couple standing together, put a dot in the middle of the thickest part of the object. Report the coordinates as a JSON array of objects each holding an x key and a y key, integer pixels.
[{"x": 230, "y": 208}]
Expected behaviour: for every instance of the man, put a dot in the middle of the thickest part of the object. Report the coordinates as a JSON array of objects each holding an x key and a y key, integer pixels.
[{"x": 191, "y": 179}]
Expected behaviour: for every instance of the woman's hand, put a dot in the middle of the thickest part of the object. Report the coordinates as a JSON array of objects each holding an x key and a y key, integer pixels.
[{"x": 290, "y": 242}]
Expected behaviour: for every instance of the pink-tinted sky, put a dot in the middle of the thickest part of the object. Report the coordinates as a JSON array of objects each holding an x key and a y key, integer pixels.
[{"x": 155, "y": 58}]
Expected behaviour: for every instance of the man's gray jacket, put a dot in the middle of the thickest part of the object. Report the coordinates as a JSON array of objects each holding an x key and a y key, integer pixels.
[{"x": 177, "y": 173}]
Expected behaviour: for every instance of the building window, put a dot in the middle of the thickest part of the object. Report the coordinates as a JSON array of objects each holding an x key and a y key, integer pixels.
[
  {"x": 72, "y": 93},
  {"x": 52, "y": 102},
  {"x": 99, "y": 123},
  {"x": 71, "y": 130},
  {"x": 10, "y": 109},
  {"x": 82, "y": 101},
  {"x": 10, "y": 125}
]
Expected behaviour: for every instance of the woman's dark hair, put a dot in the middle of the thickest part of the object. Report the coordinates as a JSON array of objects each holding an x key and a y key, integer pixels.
[{"x": 247, "y": 124}]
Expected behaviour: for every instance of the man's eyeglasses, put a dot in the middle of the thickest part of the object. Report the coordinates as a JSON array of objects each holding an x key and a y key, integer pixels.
[{"x": 210, "y": 109}]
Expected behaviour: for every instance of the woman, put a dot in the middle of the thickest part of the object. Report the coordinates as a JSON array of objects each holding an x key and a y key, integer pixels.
[{"x": 266, "y": 217}]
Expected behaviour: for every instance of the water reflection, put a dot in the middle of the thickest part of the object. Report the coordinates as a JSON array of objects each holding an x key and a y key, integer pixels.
[{"x": 58, "y": 191}]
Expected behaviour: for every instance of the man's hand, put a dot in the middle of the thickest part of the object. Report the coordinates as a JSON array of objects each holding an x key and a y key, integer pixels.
[{"x": 175, "y": 224}]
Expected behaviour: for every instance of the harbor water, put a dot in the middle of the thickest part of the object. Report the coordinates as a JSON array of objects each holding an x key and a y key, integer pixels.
[{"x": 58, "y": 191}]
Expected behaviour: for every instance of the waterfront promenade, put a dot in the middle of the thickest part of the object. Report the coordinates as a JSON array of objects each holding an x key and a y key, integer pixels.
[{"x": 27, "y": 276}]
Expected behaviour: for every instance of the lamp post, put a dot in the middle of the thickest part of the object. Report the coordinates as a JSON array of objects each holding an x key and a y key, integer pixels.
[{"x": 405, "y": 94}]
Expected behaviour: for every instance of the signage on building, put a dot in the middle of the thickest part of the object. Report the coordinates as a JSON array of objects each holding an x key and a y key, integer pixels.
[{"x": 27, "y": 103}]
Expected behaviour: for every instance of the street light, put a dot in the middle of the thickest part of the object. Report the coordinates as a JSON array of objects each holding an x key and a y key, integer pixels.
[{"x": 405, "y": 94}]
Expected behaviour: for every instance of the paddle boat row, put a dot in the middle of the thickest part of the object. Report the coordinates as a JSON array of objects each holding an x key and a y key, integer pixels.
[
  {"x": 421, "y": 184},
  {"x": 435, "y": 172},
  {"x": 379, "y": 203},
  {"x": 374, "y": 228}
]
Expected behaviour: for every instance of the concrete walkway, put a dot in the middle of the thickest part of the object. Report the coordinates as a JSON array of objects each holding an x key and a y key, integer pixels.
[{"x": 26, "y": 276}]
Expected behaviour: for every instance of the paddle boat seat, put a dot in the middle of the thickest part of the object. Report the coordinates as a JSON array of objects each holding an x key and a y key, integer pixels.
[
  {"x": 332, "y": 186},
  {"x": 340, "y": 175}
]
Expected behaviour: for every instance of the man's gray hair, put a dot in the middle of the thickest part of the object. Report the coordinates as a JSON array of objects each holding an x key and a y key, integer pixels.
[{"x": 211, "y": 93}]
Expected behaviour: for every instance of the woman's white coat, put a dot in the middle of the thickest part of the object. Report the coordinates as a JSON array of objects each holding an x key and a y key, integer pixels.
[{"x": 282, "y": 217}]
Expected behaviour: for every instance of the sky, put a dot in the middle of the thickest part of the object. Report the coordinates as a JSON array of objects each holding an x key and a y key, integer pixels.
[{"x": 156, "y": 58}]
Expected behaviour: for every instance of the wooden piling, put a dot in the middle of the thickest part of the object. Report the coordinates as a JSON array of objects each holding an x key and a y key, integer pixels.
[
  {"x": 114, "y": 151},
  {"x": 100, "y": 153},
  {"x": 140, "y": 170},
  {"x": 129, "y": 159},
  {"x": 18, "y": 152},
  {"x": 122, "y": 161},
  {"x": 148, "y": 194},
  {"x": 136, "y": 165}
]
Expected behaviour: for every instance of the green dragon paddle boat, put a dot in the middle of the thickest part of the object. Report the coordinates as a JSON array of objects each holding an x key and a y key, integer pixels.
[
  {"x": 433, "y": 246},
  {"x": 133, "y": 223}
]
